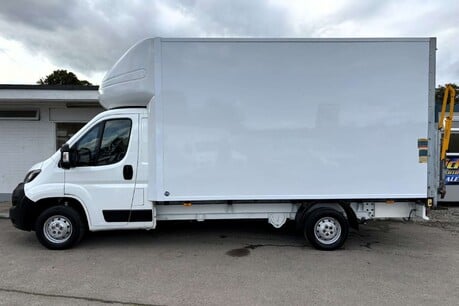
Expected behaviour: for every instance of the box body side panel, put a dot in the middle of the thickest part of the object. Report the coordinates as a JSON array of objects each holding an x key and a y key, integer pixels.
[{"x": 292, "y": 120}]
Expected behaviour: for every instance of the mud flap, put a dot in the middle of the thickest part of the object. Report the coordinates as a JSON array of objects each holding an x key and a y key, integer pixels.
[{"x": 420, "y": 211}]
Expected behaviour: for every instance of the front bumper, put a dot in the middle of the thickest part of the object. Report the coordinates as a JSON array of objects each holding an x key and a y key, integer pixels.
[{"x": 23, "y": 211}]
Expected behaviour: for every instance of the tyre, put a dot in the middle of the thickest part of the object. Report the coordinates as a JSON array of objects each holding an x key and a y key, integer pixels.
[
  {"x": 59, "y": 227},
  {"x": 326, "y": 229}
]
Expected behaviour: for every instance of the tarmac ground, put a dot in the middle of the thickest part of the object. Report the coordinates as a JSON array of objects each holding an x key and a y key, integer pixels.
[{"x": 236, "y": 263}]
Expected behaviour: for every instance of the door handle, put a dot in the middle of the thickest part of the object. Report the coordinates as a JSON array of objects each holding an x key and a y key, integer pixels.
[{"x": 128, "y": 172}]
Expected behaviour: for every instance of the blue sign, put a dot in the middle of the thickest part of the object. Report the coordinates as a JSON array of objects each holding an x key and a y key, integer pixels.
[{"x": 452, "y": 171}]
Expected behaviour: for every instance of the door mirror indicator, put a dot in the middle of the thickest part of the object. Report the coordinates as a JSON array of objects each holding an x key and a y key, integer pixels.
[{"x": 67, "y": 157}]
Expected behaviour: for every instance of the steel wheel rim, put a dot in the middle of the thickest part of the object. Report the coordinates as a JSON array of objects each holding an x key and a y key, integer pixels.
[
  {"x": 327, "y": 230},
  {"x": 57, "y": 229}
]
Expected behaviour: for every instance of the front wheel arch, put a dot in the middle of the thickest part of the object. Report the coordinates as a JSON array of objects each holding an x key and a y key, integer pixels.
[
  {"x": 46, "y": 203},
  {"x": 59, "y": 227}
]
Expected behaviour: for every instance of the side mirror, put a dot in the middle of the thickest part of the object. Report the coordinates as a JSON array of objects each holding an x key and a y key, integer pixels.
[{"x": 67, "y": 159}]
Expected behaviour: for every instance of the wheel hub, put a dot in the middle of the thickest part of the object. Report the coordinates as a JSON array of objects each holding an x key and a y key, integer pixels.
[
  {"x": 57, "y": 229},
  {"x": 327, "y": 230}
]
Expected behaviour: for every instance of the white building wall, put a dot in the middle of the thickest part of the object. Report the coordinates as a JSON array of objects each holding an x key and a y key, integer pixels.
[
  {"x": 26, "y": 142},
  {"x": 23, "y": 143}
]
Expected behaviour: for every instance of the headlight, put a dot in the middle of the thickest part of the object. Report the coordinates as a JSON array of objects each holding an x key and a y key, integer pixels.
[{"x": 31, "y": 175}]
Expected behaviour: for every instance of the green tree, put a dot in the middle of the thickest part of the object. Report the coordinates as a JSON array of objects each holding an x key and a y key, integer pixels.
[
  {"x": 440, "y": 91},
  {"x": 62, "y": 77}
]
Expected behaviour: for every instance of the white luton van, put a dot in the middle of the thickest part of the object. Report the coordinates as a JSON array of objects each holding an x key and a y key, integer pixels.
[{"x": 326, "y": 132}]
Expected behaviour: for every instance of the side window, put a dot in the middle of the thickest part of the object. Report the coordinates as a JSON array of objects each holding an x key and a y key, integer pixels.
[
  {"x": 104, "y": 144},
  {"x": 115, "y": 141}
]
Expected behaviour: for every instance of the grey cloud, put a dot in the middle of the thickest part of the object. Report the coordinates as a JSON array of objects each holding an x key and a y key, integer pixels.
[
  {"x": 89, "y": 36},
  {"x": 46, "y": 15},
  {"x": 361, "y": 10},
  {"x": 243, "y": 18}
]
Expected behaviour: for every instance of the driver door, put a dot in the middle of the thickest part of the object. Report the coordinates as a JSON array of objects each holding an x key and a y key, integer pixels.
[{"x": 104, "y": 175}]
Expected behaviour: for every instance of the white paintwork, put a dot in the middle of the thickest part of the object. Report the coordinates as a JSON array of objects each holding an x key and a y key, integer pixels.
[
  {"x": 49, "y": 183},
  {"x": 103, "y": 187},
  {"x": 278, "y": 213},
  {"x": 129, "y": 82},
  {"x": 259, "y": 120},
  {"x": 399, "y": 210},
  {"x": 420, "y": 211},
  {"x": 389, "y": 209},
  {"x": 201, "y": 212},
  {"x": 321, "y": 119}
]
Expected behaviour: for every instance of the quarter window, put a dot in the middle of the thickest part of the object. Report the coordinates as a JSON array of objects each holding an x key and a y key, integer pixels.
[{"x": 104, "y": 144}]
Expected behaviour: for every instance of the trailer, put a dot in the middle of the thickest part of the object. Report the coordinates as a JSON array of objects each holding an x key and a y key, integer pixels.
[{"x": 328, "y": 133}]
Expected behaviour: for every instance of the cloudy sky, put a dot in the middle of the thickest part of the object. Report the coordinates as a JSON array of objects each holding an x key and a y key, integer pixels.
[{"x": 88, "y": 36}]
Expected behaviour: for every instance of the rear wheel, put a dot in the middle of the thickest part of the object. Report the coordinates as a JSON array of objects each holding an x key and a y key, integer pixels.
[
  {"x": 59, "y": 227},
  {"x": 326, "y": 229}
]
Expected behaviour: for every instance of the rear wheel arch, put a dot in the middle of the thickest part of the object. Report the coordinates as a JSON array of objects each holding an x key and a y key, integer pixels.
[{"x": 307, "y": 208}]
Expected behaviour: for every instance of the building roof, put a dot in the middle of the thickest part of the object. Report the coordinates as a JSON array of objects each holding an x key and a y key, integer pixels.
[
  {"x": 48, "y": 93},
  {"x": 49, "y": 87}
]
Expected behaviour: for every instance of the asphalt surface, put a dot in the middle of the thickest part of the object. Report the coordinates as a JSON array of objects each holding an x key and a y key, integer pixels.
[{"x": 236, "y": 263}]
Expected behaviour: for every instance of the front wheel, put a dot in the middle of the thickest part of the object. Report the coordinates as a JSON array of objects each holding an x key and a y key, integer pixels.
[
  {"x": 326, "y": 229},
  {"x": 59, "y": 227}
]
